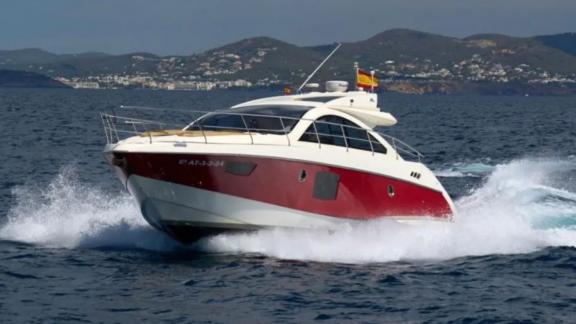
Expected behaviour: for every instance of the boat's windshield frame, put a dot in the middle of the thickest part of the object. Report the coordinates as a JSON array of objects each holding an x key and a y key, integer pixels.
[{"x": 277, "y": 119}]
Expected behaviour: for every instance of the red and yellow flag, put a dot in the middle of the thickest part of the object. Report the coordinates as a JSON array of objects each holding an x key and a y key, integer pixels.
[{"x": 366, "y": 80}]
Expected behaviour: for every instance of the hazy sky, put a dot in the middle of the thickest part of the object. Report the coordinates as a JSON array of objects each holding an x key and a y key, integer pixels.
[{"x": 189, "y": 26}]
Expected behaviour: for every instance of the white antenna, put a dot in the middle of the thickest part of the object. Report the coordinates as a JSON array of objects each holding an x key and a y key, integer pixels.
[{"x": 318, "y": 68}]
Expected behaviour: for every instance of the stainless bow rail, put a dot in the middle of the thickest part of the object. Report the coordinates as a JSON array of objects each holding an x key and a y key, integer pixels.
[{"x": 117, "y": 128}]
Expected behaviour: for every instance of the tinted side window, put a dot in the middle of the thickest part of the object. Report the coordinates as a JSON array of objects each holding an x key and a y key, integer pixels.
[
  {"x": 329, "y": 130},
  {"x": 357, "y": 138},
  {"x": 378, "y": 148},
  {"x": 361, "y": 140}
]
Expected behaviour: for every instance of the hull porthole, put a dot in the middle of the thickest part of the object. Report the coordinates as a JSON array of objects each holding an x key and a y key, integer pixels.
[
  {"x": 391, "y": 192},
  {"x": 302, "y": 176}
]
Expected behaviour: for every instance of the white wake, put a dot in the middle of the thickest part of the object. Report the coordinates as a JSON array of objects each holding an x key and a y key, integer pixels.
[
  {"x": 72, "y": 214},
  {"x": 463, "y": 169},
  {"x": 521, "y": 206}
]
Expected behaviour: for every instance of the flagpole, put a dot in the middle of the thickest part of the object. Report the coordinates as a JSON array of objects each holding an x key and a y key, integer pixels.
[
  {"x": 356, "y": 69},
  {"x": 372, "y": 77}
]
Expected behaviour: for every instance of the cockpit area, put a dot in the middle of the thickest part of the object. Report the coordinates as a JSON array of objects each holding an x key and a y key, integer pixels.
[{"x": 282, "y": 120}]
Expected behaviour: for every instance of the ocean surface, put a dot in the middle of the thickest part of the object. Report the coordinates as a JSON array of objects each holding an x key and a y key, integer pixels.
[{"x": 73, "y": 247}]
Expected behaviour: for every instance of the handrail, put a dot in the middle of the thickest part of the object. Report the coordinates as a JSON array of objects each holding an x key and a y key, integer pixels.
[
  {"x": 285, "y": 131},
  {"x": 113, "y": 128},
  {"x": 370, "y": 141},
  {"x": 344, "y": 136},
  {"x": 317, "y": 136},
  {"x": 247, "y": 129}
]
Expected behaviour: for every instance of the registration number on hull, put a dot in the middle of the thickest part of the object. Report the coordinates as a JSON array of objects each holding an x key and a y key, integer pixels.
[{"x": 201, "y": 163}]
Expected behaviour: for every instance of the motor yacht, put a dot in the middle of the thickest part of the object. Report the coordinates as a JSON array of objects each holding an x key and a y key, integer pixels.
[{"x": 307, "y": 160}]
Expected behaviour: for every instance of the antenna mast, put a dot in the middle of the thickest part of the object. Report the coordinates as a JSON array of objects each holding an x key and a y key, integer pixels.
[{"x": 318, "y": 68}]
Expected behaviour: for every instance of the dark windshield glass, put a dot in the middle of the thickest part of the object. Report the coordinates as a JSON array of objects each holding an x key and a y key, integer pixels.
[{"x": 278, "y": 119}]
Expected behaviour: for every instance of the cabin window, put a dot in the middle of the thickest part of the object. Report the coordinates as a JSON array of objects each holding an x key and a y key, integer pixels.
[
  {"x": 329, "y": 129},
  {"x": 357, "y": 138},
  {"x": 277, "y": 119},
  {"x": 377, "y": 146}
]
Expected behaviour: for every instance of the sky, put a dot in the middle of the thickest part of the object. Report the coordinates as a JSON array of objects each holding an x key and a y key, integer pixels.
[{"x": 179, "y": 27}]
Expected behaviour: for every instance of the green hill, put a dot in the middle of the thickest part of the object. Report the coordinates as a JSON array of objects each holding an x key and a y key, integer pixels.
[
  {"x": 565, "y": 42},
  {"x": 258, "y": 59},
  {"x": 515, "y": 51},
  {"x": 396, "y": 55}
]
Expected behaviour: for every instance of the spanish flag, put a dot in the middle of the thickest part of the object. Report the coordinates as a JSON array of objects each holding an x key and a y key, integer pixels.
[{"x": 366, "y": 80}]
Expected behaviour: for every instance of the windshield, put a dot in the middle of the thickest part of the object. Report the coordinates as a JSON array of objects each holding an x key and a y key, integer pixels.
[{"x": 277, "y": 119}]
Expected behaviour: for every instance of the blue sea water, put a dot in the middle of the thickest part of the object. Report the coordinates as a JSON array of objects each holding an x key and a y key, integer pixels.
[{"x": 73, "y": 247}]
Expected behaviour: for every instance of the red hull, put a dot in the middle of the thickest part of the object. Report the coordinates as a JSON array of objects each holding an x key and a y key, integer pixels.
[{"x": 359, "y": 195}]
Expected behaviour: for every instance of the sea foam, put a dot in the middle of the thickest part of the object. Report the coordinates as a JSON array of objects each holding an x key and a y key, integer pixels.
[
  {"x": 69, "y": 214},
  {"x": 520, "y": 207}
]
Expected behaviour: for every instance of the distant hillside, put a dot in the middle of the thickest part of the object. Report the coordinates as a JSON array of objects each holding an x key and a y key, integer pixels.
[
  {"x": 85, "y": 65},
  {"x": 398, "y": 56},
  {"x": 22, "y": 79},
  {"x": 33, "y": 57},
  {"x": 403, "y": 45},
  {"x": 565, "y": 42},
  {"x": 256, "y": 59},
  {"x": 27, "y": 56}
]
